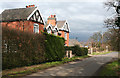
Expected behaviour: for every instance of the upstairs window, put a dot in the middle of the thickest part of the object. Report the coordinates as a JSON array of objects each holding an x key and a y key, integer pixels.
[
  {"x": 49, "y": 31},
  {"x": 36, "y": 28},
  {"x": 65, "y": 35},
  {"x": 55, "y": 33}
]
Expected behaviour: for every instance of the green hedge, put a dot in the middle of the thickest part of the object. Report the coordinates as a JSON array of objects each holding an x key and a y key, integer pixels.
[
  {"x": 78, "y": 51},
  {"x": 54, "y": 47},
  {"x": 23, "y": 49}
]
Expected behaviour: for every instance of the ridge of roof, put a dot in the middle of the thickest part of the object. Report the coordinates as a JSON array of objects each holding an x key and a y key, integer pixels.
[{"x": 17, "y": 13}]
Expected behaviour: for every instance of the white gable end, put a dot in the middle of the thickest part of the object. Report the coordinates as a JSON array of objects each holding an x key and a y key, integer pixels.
[
  {"x": 35, "y": 16},
  {"x": 65, "y": 27}
]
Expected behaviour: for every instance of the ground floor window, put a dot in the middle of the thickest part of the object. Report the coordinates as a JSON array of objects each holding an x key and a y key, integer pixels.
[{"x": 36, "y": 28}]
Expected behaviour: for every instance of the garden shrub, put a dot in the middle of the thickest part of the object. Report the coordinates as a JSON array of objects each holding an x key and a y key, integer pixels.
[
  {"x": 77, "y": 50},
  {"x": 84, "y": 51}
]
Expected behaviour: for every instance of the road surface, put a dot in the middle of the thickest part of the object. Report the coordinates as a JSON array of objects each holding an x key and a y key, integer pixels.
[{"x": 86, "y": 67}]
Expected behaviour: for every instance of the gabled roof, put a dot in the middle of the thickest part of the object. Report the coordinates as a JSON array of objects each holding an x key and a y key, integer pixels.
[
  {"x": 60, "y": 24},
  {"x": 48, "y": 25},
  {"x": 17, "y": 14},
  {"x": 45, "y": 25},
  {"x": 53, "y": 28}
]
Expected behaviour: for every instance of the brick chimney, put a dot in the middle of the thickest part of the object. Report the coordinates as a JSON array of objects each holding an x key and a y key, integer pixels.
[
  {"x": 51, "y": 20},
  {"x": 29, "y": 6}
]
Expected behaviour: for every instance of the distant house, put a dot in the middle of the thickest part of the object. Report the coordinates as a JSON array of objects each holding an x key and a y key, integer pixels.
[
  {"x": 60, "y": 28},
  {"x": 25, "y": 19}
]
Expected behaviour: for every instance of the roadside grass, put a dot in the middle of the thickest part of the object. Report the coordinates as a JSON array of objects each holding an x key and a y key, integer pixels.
[
  {"x": 100, "y": 53},
  {"x": 22, "y": 71},
  {"x": 110, "y": 69}
]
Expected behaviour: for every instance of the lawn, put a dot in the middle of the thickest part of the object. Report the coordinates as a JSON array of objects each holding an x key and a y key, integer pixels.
[
  {"x": 22, "y": 71},
  {"x": 110, "y": 69}
]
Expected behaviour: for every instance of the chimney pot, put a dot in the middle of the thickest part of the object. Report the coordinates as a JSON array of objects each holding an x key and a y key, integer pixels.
[
  {"x": 33, "y": 5},
  {"x": 30, "y": 6}
]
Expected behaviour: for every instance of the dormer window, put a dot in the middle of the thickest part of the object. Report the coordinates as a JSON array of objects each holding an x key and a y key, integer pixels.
[
  {"x": 36, "y": 28},
  {"x": 49, "y": 31},
  {"x": 55, "y": 33}
]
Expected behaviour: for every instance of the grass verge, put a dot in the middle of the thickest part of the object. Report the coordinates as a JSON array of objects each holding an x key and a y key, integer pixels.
[
  {"x": 100, "y": 53},
  {"x": 110, "y": 69},
  {"x": 22, "y": 71}
]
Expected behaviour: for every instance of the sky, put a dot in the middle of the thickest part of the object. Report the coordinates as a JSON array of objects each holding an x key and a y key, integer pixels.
[{"x": 84, "y": 17}]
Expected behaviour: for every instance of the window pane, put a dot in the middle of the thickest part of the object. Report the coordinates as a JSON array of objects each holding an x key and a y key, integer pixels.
[{"x": 36, "y": 28}]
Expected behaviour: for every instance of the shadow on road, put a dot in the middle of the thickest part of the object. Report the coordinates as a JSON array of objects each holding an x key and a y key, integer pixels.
[{"x": 80, "y": 69}]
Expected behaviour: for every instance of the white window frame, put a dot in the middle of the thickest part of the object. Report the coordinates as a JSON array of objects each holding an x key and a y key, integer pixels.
[
  {"x": 49, "y": 31},
  {"x": 65, "y": 35},
  {"x": 55, "y": 33},
  {"x": 36, "y": 28}
]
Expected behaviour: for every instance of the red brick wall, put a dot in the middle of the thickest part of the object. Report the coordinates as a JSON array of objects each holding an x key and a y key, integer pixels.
[
  {"x": 28, "y": 25},
  {"x": 63, "y": 35},
  {"x": 52, "y": 22},
  {"x": 67, "y": 41}
]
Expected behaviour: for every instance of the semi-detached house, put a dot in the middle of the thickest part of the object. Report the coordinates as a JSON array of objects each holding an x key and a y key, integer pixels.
[
  {"x": 58, "y": 28},
  {"x": 25, "y": 19},
  {"x": 29, "y": 19}
]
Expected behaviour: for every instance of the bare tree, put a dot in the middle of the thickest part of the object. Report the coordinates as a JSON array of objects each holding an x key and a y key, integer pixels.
[
  {"x": 96, "y": 39},
  {"x": 114, "y": 22},
  {"x": 110, "y": 39}
]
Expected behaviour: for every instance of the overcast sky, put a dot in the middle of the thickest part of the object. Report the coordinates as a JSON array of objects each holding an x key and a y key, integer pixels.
[{"x": 84, "y": 16}]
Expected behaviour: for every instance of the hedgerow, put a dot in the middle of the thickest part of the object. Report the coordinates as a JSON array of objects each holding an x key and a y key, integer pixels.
[
  {"x": 22, "y": 48},
  {"x": 54, "y": 47},
  {"x": 77, "y": 50}
]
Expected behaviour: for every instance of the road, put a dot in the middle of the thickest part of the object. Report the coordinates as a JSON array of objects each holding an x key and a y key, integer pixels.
[{"x": 86, "y": 67}]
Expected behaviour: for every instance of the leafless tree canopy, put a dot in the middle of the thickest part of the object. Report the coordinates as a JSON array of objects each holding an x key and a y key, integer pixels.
[{"x": 114, "y": 22}]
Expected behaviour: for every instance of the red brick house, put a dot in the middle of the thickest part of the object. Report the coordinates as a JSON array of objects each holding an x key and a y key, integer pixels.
[
  {"x": 25, "y": 19},
  {"x": 60, "y": 28}
]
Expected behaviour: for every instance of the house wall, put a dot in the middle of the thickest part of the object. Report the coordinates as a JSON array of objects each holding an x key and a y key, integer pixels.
[
  {"x": 63, "y": 35},
  {"x": 52, "y": 22},
  {"x": 67, "y": 41},
  {"x": 24, "y": 26}
]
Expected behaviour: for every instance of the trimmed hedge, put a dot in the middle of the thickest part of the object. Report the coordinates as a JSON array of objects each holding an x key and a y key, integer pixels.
[
  {"x": 22, "y": 48},
  {"x": 78, "y": 51},
  {"x": 54, "y": 47}
]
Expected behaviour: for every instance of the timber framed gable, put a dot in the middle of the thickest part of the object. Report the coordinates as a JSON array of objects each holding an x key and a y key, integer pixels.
[{"x": 35, "y": 16}]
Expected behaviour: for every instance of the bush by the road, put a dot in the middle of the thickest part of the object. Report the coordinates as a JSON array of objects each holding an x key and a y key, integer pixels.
[
  {"x": 54, "y": 47},
  {"x": 78, "y": 51}
]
